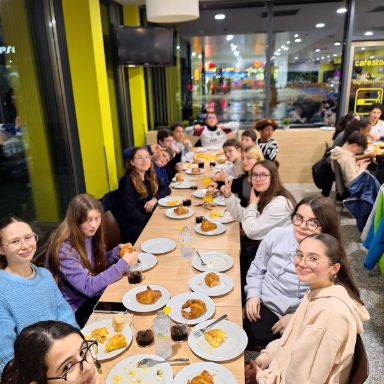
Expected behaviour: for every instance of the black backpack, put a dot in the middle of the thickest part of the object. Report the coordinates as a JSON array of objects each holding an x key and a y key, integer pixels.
[{"x": 322, "y": 173}]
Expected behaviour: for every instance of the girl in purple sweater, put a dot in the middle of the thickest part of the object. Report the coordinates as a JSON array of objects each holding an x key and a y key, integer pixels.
[{"x": 77, "y": 259}]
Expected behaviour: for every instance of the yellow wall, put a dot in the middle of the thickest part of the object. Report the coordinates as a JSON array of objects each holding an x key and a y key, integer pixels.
[
  {"x": 26, "y": 87},
  {"x": 136, "y": 85},
  {"x": 90, "y": 88}
]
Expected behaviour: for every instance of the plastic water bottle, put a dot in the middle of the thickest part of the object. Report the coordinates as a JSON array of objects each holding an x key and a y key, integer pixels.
[
  {"x": 186, "y": 249},
  {"x": 161, "y": 329}
]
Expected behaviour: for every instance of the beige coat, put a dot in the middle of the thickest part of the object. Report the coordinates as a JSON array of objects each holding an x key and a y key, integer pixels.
[
  {"x": 318, "y": 344},
  {"x": 347, "y": 162}
]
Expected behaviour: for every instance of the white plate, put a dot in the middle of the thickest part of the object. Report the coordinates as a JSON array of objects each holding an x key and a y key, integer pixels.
[
  {"x": 201, "y": 149},
  {"x": 216, "y": 262},
  {"x": 224, "y": 219},
  {"x": 221, "y": 374},
  {"x": 197, "y": 284},
  {"x": 182, "y": 184},
  {"x": 189, "y": 172},
  {"x": 326, "y": 128},
  {"x": 107, "y": 323},
  {"x": 220, "y": 167},
  {"x": 221, "y": 228},
  {"x": 219, "y": 200},
  {"x": 177, "y": 301},
  {"x": 214, "y": 148},
  {"x": 233, "y": 345},
  {"x": 129, "y": 373},
  {"x": 158, "y": 245},
  {"x": 147, "y": 260},
  {"x": 130, "y": 302},
  {"x": 199, "y": 193},
  {"x": 173, "y": 200},
  {"x": 186, "y": 178},
  {"x": 172, "y": 215}
]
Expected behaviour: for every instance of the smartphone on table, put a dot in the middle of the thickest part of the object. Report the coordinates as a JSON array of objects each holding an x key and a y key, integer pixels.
[{"x": 109, "y": 307}]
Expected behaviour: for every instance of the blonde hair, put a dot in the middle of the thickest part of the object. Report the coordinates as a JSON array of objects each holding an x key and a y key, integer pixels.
[{"x": 254, "y": 152}]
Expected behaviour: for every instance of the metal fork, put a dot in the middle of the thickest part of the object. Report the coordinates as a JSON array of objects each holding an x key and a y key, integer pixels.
[
  {"x": 203, "y": 263},
  {"x": 149, "y": 362},
  {"x": 201, "y": 331}
]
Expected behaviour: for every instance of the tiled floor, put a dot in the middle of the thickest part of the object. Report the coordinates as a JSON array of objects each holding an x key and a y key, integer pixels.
[{"x": 371, "y": 284}]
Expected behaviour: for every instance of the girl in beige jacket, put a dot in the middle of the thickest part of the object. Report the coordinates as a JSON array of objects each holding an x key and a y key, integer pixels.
[{"x": 318, "y": 344}]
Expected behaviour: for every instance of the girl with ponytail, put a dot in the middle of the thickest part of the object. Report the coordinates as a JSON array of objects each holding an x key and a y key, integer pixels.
[{"x": 318, "y": 344}]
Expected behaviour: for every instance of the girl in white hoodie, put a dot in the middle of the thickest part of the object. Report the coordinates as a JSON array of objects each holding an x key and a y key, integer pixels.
[{"x": 318, "y": 345}]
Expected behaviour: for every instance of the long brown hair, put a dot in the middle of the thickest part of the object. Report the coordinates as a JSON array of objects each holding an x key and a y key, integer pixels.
[
  {"x": 275, "y": 188},
  {"x": 150, "y": 175},
  {"x": 325, "y": 212},
  {"x": 336, "y": 254},
  {"x": 69, "y": 230},
  {"x": 4, "y": 222}
]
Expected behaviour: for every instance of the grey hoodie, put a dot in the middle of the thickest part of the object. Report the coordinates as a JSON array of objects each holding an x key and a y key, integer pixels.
[{"x": 272, "y": 276}]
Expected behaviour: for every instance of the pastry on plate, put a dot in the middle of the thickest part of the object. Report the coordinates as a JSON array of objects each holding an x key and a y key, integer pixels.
[
  {"x": 100, "y": 334},
  {"x": 149, "y": 296},
  {"x": 195, "y": 171},
  {"x": 180, "y": 210},
  {"x": 179, "y": 177},
  {"x": 196, "y": 309},
  {"x": 203, "y": 378},
  {"x": 207, "y": 225},
  {"x": 211, "y": 279},
  {"x": 215, "y": 337},
  {"x": 128, "y": 247},
  {"x": 116, "y": 342},
  {"x": 118, "y": 322}
]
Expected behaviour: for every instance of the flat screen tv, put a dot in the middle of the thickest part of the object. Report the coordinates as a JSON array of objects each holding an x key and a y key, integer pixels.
[{"x": 148, "y": 46}]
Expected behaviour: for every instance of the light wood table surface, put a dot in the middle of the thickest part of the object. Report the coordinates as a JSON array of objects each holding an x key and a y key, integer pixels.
[{"x": 173, "y": 272}]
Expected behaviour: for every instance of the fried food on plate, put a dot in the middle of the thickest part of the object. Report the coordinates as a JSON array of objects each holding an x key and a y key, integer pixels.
[
  {"x": 118, "y": 322},
  {"x": 211, "y": 279},
  {"x": 179, "y": 177},
  {"x": 126, "y": 248},
  {"x": 203, "y": 378},
  {"x": 207, "y": 225},
  {"x": 173, "y": 202},
  {"x": 100, "y": 334},
  {"x": 149, "y": 296},
  {"x": 215, "y": 337},
  {"x": 116, "y": 342},
  {"x": 196, "y": 309},
  {"x": 180, "y": 210}
]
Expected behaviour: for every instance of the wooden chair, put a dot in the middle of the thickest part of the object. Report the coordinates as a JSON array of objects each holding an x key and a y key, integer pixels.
[
  {"x": 111, "y": 230},
  {"x": 360, "y": 369}
]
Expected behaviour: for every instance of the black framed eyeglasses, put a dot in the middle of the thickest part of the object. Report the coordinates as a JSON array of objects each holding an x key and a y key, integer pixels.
[
  {"x": 261, "y": 176},
  {"x": 311, "y": 224},
  {"x": 87, "y": 353}
]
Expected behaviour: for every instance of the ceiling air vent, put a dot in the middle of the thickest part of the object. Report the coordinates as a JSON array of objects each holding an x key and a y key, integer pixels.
[
  {"x": 288, "y": 12},
  {"x": 377, "y": 9}
]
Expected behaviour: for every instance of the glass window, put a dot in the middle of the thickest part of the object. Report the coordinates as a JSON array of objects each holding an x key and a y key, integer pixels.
[{"x": 306, "y": 63}]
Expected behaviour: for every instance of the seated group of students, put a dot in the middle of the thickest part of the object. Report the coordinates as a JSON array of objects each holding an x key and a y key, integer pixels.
[{"x": 296, "y": 276}]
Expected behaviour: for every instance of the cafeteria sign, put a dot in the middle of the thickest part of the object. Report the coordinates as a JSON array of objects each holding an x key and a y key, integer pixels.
[{"x": 367, "y": 81}]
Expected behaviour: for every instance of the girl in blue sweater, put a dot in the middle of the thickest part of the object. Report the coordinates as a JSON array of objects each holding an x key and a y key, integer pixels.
[{"x": 28, "y": 294}]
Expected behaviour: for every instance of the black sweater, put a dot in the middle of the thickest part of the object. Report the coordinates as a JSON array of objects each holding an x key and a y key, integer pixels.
[{"x": 129, "y": 210}]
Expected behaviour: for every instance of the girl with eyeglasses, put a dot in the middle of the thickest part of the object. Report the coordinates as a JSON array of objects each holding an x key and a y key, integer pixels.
[
  {"x": 318, "y": 344},
  {"x": 52, "y": 352},
  {"x": 27, "y": 293},
  {"x": 273, "y": 290},
  {"x": 77, "y": 257},
  {"x": 138, "y": 193}
]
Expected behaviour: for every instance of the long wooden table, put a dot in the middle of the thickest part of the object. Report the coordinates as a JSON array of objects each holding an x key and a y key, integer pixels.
[{"x": 173, "y": 272}]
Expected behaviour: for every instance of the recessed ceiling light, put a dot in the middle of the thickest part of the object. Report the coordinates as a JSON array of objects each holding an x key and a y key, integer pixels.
[
  {"x": 342, "y": 10},
  {"x": 328, "y": 57},
  {"x": 297, "y": 40},
  {"x": 229, "y": 37},
  {"x": 220, "y": 16},
  {"x": 177, "y": 46},
  {"x": 317, "y": 50},
  {"x": 368, "y": 33},
  {"x": 371, "y": 57},
  {"x": 296, "y": 35},
  {"x": 322, "y": 57},
  {"x": 286, "y": 48},
  {"x": 317, "y": 59},
  {"x": 320, "y": 25},
  {"x": 233, "y": 47},
  {"x": 337, "y": 43},
  {"x": 335, "y": 55},
  {"x": 199, "y": 56},
  {"x": 283, "y": 46},
  {"x": 288, "y": 42},
  {"x": 193, "y": 54},
  {"x": 296, "y": 57},
  {"x": 236, "y": 53},
  {"x": 363, "y": 48}
]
